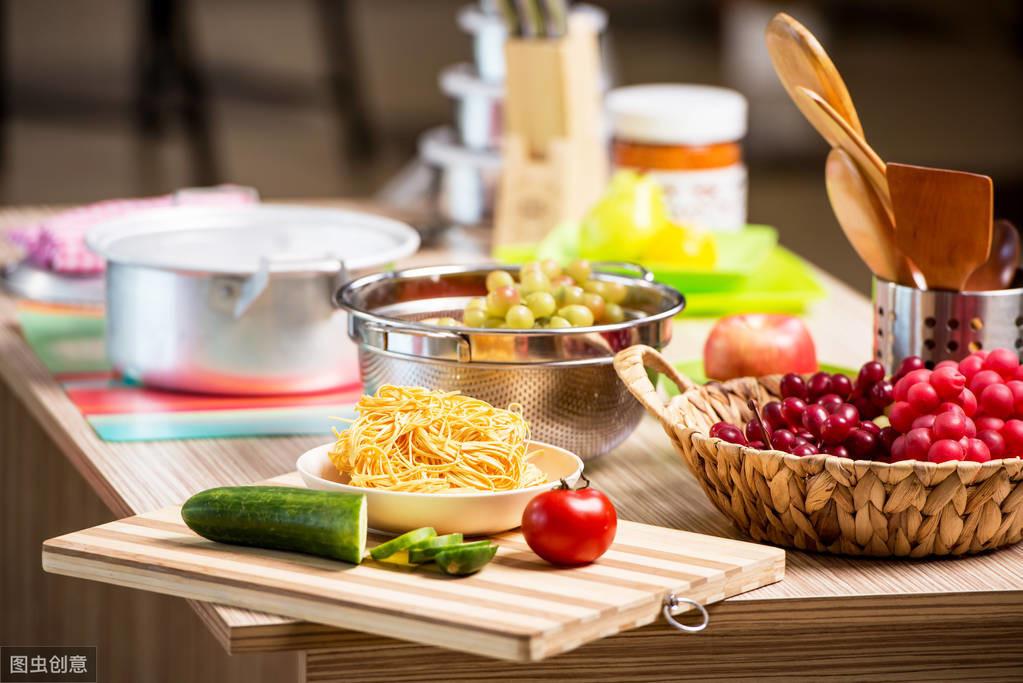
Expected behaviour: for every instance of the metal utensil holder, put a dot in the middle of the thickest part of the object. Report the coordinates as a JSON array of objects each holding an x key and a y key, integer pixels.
[{"x": 938, "y": 325}]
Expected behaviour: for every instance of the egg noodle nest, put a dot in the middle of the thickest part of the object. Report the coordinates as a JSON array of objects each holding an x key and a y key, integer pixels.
[{"x": 418, "y": 440}]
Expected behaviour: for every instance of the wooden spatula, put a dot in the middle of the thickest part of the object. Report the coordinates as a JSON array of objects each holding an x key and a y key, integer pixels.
[
  {"x": 841, "y": 135},
  {"x": 800, "y": 61},
  {"x": 942, "y": 221},
  {"x": 864, "y": 221}
]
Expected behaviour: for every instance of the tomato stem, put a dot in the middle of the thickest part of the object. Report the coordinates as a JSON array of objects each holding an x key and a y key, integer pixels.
[{"x": 565, "y": 485}]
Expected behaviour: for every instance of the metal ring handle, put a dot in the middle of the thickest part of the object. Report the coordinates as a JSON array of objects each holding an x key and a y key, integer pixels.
[
  {"x": 672, "y": 601},
  {"x": 641, "y": 272},
  {"x": 462, "y": 349}
]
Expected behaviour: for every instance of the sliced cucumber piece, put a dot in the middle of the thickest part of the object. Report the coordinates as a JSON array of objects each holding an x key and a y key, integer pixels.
[
  {"x": 467, "y": 558},
  {"x": 399, "y": 558},
  {"x": 424, "y": 551},
  {"x": 403, "y": 542}
]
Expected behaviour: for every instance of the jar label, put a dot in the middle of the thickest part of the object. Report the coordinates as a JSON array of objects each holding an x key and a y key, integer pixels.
[{"x": 713, "y": 199}]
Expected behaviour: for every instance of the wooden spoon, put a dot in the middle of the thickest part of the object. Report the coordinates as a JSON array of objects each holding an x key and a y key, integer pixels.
[
  {"x": 942, "y": 221},
  {"x": 864, "y": 221},
  {"x": 1000, "y": 268},
  {"x": 839, "y": 134},
  {"x": 800, "y": 61}
]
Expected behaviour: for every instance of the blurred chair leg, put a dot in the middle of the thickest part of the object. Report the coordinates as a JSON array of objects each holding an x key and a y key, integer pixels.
[
  {"x": 195, "y": 109},
  {"x": 166, "y": 61},
  {"x": 153, "y": 67},
  {"x": 1017, "y": 29},
  {"x": 5, "y": 88},
  {"x": 343, "y": 74}
]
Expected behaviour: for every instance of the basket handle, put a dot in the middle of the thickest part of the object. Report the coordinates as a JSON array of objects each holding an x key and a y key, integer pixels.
[{"x": 631, "y": 365}]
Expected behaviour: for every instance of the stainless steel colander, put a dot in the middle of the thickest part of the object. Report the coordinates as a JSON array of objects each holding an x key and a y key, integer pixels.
[{"x": 564, "y": 379}]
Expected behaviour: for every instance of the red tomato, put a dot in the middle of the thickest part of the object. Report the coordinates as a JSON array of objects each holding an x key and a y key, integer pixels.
[{"x": 570, "y": 527}]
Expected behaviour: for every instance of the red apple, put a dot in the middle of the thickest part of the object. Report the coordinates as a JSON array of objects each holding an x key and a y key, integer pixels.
[{"x": 756, "y": 344}]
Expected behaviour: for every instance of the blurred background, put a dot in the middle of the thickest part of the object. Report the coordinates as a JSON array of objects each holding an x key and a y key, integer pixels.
[{"x": 328, "y": 98}]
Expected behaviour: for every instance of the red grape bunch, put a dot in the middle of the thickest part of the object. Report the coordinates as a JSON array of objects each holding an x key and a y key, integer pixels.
[
  {"x": 970, "y": 410},
  {"x": 822, "y": 414},
  {"x": 966, "y": 410}
]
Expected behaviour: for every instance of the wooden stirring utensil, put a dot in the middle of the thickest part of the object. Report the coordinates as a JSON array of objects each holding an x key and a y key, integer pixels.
[
  {"x": 866, "y": 224},
  {"x": 1000, "y": 268},
  {"x": 942, "y": 221},
  {"x": 841, "y": 135},
  {"x": 800, "y": 61}
]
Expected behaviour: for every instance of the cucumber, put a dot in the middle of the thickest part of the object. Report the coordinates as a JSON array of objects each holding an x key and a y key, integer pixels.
[
  {"x": 467, "y": 558},
  {"x": 403, "y": 542},
  {"x": 322, "y": 523},
  {"x": 424, "y": 551}
]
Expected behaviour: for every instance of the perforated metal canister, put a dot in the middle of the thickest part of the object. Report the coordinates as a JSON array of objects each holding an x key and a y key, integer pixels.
[{"x": 938, "y": 325}]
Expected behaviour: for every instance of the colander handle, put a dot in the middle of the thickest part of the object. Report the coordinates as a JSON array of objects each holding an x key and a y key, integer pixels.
[
  {"x": 636, "y": 269},
  {"x": 631, "y": 365}
]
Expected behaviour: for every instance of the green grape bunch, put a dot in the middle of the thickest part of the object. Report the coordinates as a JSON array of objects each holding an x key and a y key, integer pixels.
[{"x": 547, "y": 297}]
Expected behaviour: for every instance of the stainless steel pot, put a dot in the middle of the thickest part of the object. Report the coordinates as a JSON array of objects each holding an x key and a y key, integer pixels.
[
  {"x": 465, "y": 179},
  {"x": 488, "y": 35},
  {"x": 479, "y": 106},
  {"x": 238, "y": 300},
  {"x": 564, "y": 379},
  {"x": 28, "y": 281}
]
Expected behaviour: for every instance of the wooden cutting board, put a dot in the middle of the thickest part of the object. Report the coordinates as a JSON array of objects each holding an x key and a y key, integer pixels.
[{"x": 517, "y": 608}]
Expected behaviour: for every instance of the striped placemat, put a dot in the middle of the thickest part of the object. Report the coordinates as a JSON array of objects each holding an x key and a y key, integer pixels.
[{"x": 69, "y": 341}]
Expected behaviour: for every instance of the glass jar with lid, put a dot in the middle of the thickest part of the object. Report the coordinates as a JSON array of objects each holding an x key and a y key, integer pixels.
[{"x": 689, "y": 138}]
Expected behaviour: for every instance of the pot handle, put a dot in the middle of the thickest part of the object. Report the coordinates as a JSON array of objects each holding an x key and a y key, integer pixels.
[
  {"x": 640, "y": 272},
  {"x": 254, "y": 285},
  {"x": 631, "y": 365}
]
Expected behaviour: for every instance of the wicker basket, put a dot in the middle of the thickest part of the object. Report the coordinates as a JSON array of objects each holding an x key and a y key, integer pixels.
[{"x": 821, "y": 502}]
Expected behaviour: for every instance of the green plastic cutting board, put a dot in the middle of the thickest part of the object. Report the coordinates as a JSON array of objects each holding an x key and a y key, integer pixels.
[
  {"x": 753, "y": 273},
  {"x": 784, "y": 283},
  {"x": 739, "y": 254}
]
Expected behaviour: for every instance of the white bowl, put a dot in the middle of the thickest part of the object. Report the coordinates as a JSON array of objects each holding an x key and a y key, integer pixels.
[{"x": 475, "y": 514}]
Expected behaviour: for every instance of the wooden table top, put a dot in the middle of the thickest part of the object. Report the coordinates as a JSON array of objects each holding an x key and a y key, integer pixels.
[{"x": 647, "y": 481}]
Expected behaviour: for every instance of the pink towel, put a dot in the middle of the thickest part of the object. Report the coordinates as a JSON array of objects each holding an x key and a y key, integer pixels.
[{"x": 58, "y": 242}]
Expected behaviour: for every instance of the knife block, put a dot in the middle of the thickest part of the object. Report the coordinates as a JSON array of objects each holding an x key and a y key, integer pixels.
[{"x": 554, "y": 152}]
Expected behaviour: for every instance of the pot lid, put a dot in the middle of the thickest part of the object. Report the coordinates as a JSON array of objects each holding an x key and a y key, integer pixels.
[{"x": 244, "y": 239}]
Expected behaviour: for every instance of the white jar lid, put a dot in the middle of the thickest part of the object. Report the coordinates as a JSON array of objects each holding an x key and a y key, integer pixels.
[{"x": 670, "y": 114}]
